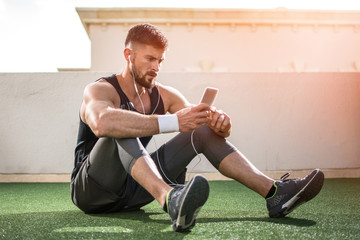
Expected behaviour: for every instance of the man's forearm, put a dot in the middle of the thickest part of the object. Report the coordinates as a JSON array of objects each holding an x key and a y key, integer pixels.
[{"x": 119, "y": 123}]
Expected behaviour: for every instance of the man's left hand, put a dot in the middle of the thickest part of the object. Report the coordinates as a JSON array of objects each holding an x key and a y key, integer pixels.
[{"x": 219, "y": 122}]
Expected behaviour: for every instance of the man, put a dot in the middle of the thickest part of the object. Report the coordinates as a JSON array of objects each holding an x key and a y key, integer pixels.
[{"x": 119, "y": 114}]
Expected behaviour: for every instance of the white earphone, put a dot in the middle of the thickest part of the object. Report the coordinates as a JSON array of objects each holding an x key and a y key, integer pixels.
[{"x": 131, "y": 69}]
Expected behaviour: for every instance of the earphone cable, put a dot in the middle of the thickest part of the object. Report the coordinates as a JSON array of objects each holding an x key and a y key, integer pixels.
[{"x": 156, "y": 149}]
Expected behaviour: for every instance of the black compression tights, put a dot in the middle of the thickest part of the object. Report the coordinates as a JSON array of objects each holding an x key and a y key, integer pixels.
[{"x": 112, "y": 159}]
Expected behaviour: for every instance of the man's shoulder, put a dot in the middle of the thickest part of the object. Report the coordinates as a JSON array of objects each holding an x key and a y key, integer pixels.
[
  {"x": 98, "y": 85},
  {"x": 173, "y": 98},
  {"x": 167, "y": 89},
  {"x": 100, "y": 89}
]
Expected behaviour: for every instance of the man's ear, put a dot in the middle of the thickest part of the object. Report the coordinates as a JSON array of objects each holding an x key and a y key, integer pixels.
[{"x": 127, "y": 54}]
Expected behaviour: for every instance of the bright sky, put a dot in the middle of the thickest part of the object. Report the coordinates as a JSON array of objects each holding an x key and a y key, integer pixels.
[{"x": 43, "y": 35}]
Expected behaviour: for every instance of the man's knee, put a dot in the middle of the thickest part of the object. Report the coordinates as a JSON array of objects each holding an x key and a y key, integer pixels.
[
  {"x": 130, "y": 150},
  {"x": 205, "y": 133},
  {"x": 213, "y": 146}
]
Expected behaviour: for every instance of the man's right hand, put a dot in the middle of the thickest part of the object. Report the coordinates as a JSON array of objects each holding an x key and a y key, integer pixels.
[{"x": 192, "y": 118}]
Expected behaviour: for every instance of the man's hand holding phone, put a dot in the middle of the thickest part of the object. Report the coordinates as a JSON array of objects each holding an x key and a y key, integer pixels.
[{"x": 218, "y": 121}]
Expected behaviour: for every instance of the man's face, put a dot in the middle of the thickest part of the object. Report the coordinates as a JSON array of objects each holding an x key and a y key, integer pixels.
[{"x": 146, "y": 64}]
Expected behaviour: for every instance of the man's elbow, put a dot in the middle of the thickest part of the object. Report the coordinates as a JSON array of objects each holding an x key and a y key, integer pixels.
[{"x": 100, "y": 127}]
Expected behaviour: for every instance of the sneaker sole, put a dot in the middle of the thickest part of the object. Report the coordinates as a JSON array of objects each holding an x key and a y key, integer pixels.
[
  {"x": 195, "y": 197},
  {"x": 308, "y": 192}
]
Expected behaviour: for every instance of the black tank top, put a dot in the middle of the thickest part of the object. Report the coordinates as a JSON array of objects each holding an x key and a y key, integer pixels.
[{"x": 86, "y": 138}]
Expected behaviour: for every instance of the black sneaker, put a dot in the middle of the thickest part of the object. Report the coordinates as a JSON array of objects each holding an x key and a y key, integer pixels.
[
  {"x": 185, "y": 202},
  {"x": 291, "y": 193}
]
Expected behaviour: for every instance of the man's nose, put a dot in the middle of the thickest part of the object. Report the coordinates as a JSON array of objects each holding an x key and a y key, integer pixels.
[{"x": 156, "y": 66}]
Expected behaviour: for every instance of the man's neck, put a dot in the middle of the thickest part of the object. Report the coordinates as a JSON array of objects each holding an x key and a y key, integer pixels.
[{"x": 126, "y": 83}]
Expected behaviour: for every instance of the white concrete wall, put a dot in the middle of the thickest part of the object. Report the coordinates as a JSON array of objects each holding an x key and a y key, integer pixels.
[
  {"x": 280, "y": 120},
  {"x": 240, "y": 50}
]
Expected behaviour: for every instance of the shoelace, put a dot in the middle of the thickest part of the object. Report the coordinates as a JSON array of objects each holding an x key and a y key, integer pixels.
[
  {"x": 174, "y": 192},
  {"x": 177, "y": 185},
  {"x": 284, "y": 177}
]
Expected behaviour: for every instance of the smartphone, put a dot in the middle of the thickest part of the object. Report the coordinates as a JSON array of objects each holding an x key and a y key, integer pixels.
[{"x": 209, "y": 95}]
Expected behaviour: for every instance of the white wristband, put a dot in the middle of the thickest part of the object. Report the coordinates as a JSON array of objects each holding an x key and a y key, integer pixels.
[{"x": 168, "y": 123}]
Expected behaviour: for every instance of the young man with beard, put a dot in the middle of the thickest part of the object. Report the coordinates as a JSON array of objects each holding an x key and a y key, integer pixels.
[{"x": 119, "y": 115}]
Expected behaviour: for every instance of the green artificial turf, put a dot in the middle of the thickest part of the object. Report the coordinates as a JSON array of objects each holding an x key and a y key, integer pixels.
[{"x": 45, "y": 211}]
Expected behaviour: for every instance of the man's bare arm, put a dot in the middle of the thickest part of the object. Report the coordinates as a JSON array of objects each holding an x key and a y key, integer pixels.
[{"x": 105, "y": 120}]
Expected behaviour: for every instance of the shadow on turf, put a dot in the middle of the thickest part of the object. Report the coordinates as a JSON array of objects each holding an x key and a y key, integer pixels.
[
  {"x": 77, "y": 225},
  {"x": 74, "y": 224},
  {"x": 141, "y": 215},
  {"x": 284, "y": 221}
]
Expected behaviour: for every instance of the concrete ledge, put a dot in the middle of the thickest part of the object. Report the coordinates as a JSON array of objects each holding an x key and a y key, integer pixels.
[
  {"x": 19, "y": 177},
  {"x": 212, "y": 176},
  {"x": 329, "y": 173}
]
